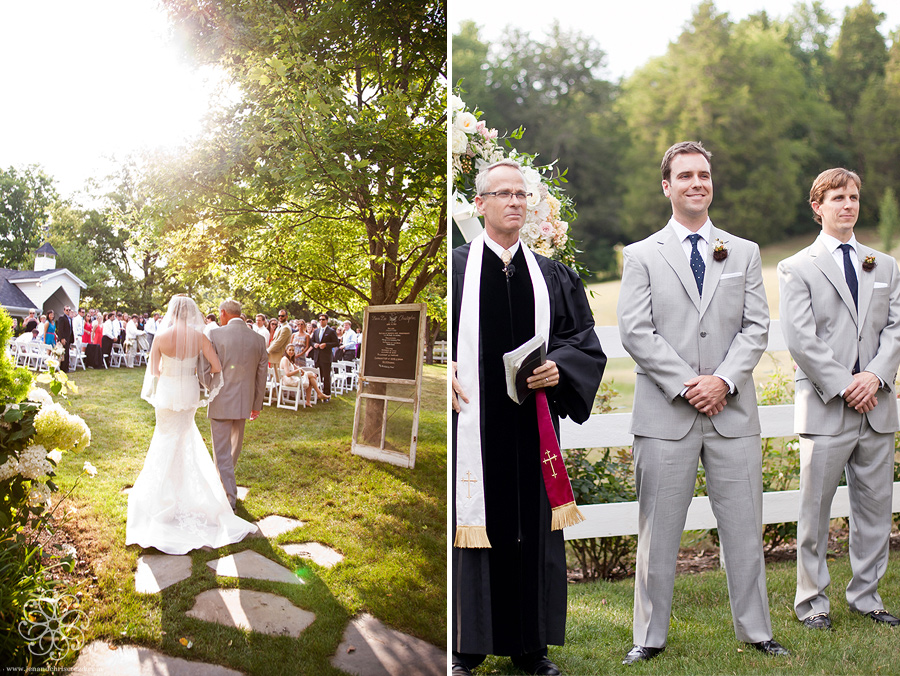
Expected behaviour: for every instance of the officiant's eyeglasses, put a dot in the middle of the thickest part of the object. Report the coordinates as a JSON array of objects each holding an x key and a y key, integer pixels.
[{"x": 503, "y": 195}]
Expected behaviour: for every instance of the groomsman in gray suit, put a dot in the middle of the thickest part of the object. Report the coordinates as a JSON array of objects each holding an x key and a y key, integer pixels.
[
  {"x": 693, "y": 316},
  {"x": 840, "y": 314},
  {"x": 244, "y": 359}
]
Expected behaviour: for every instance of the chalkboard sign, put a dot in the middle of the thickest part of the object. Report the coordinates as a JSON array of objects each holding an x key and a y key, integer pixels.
[{"x": 392, "y": 343}]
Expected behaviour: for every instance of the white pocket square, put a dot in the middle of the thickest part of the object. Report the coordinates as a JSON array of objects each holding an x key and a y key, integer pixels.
[
  {"x": 880, "y": 285},
  {"x": 729, "y": 275}
]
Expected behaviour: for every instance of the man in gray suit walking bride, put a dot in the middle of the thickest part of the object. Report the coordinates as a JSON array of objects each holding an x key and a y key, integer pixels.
[{"x": 244, "y": 359}]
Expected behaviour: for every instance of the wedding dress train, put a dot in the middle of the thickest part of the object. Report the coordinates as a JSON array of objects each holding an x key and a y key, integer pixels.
[{"x": 178, "y": 503}]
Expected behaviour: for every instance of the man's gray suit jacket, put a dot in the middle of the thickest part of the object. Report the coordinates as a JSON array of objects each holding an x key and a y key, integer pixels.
[
  {"x": 674, "y": 335},
  {"x": 245, "y": 363},
  {"x": 824, "y": 331}
]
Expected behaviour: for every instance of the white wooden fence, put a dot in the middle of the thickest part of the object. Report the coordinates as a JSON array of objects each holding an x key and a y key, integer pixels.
[
  {"x": 440, "y": 354},
  {"x": 611, "y": 429}
]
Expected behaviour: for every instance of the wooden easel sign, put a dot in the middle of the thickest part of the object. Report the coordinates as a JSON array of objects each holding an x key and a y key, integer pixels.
[{"x": 390, "y": 383}]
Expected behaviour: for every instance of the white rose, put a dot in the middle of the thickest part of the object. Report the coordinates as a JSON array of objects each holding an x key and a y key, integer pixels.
[
  {"x": 459, "y": 141},
  {"x": 55, "y": 456},
  {"x": 466, "y": 122},
  {"x": 90, "y": 469},
  {"x": 456, "y": 103}
]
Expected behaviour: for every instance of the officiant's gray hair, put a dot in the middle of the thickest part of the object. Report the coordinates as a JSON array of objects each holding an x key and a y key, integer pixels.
[
  {"x": 231, "y": 308},
  {"x": 481, "y": 180}
]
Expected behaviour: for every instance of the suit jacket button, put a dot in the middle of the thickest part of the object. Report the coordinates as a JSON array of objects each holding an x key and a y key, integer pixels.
[{"x": 703, "y": 334}]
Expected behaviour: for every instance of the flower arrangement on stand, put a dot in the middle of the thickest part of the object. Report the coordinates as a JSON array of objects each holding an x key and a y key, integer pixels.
[
  {"x": 549, "y": 211},
  {"x": 35, "y": 433}
]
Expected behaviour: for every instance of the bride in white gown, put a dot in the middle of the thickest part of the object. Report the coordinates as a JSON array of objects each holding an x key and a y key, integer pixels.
[{"x": 178, "y": 503}]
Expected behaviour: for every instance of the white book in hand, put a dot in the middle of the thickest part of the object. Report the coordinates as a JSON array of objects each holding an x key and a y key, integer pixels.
[{"x": 519, "y": 364}]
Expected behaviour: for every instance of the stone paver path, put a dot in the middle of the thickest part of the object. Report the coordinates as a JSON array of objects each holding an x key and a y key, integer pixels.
[
  {"x": 155, "y": 572},
  {"x": 97, "y": 659},
  {"x": 252, "y": 564},
  {"x": 320, "y": 554},
  {"x": 247, "y": 609},
  {"x": 274, "y": 525},
  {"x": 369, "y": 648}
]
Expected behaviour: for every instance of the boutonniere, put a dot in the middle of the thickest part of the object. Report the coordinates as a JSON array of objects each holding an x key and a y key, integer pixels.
[
  {"x": 720, "y": 252},
  {"x": 869, "y": 263}
]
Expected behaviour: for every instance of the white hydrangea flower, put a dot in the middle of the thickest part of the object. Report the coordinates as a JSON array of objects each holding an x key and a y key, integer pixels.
[
  {"x": 58, "y": 429},
  {"x": 40, "y": 396},
  {"x": 39, "y": 494},
  {"x": 9, "y": 469},
  {"x": 33, "y": 463}
]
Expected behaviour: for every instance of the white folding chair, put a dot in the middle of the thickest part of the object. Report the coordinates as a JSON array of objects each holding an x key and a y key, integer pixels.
[
  {"x": 283, "y": 400},
  {"x": 117, "y": 356},
  {"x": 76, "y": 356},
  {"x": 271, "y": 384}
]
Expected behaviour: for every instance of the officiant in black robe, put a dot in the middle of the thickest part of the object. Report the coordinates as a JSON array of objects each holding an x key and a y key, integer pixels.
[{"x": 509, "y": 598}]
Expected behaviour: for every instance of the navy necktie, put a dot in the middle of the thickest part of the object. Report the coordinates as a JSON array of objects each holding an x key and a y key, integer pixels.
[
  {"x": 698, "y": 267},
  {"x": 853, "y": 283},
  {"x": 850, "y": 274}
]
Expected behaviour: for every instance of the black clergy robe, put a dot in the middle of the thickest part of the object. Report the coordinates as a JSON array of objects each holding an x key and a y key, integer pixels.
[{"x": 511, "y": 599}]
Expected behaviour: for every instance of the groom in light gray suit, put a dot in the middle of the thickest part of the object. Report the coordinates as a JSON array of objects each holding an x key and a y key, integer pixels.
[
  {"x": 840, "y": 314},
  {"x": 693, "y": 316},
  {"x": 244, "y": 359}
]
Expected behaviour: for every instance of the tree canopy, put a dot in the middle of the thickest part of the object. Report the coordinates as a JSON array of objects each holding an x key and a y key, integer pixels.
[{"x": 776, "y": 101}]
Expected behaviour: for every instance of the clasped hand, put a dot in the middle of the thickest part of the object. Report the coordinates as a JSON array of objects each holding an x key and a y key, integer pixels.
[
  {"x": 545, "y": 375},
  {"x": 707, "y": 394},
  {"x": 860, "y": 394}
]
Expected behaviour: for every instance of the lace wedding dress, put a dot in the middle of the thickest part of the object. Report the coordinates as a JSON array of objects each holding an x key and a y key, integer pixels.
[{"x": 178, "y": 503}]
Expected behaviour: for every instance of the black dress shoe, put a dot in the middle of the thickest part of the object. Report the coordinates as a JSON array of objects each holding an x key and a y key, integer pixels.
[
  {"x": 460, "y": 670},
  {"x": 641, "y": 653},
  {"x": 539, "y": 666},
  {"x": 881, "y": 616},
  {"x": 770, "y": 647},
  {"x": 818, "y": 621}
]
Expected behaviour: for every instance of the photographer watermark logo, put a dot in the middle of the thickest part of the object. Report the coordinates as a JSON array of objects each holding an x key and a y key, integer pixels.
[{"x": 52, "y": 626}]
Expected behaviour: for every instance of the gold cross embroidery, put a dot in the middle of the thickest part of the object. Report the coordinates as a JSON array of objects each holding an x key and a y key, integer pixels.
[
  {"x": 550, "y": 459},
  {"x": 469, "y": 481}
]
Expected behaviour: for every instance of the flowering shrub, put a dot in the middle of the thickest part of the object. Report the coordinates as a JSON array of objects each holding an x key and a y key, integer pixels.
[
  {"x": 549, "y": 209},
  {"x": 35, "y": 432}
]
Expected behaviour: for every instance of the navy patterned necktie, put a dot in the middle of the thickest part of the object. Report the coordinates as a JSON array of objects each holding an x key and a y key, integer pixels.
[
  {"x": 853, "y": 283},
  {"x": 850, "y": 274},
  {"x": 698, "y": 267}
]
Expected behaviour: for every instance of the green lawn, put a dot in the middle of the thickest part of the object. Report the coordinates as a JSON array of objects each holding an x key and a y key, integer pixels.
[
  {"x": 388, "y": 522},
  {"x": 701, "y": 637}
]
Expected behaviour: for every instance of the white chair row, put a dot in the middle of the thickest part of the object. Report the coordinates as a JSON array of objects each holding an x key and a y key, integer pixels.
[
  {"x": 344, "y": 376},
  {"x": 287, "y": 396}
]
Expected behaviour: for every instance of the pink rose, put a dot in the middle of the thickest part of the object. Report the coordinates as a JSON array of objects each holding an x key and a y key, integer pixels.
[
  {"x": 479, "y": 127},
  {"x": 546, "y": 228}
]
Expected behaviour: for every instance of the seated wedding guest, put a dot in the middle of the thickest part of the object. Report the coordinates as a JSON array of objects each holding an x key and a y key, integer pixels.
[
  {"x": 50, "y": 329},
  {"x": 292, "y": 375},
  {"x": 261, "y": 327},
  {"x": 27, "y": 337}
]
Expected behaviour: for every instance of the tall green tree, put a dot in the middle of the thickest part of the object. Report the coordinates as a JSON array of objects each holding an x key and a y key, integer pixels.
[
  {"x": 26, "y": 196},
  {"x": 889, "y": 218},
  {"x": 325, "y": 182},
  {"x": 553, "y": 86},
  {"x": 739, "y": 90},
  {"x": 877, "y": 131}
]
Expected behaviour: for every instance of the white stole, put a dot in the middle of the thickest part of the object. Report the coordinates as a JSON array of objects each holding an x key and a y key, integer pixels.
[{"x": 471, "y": 530}]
